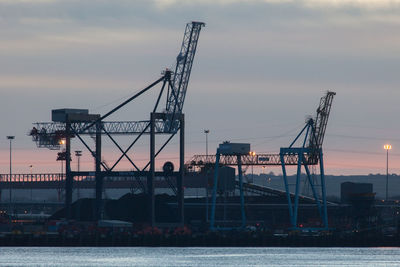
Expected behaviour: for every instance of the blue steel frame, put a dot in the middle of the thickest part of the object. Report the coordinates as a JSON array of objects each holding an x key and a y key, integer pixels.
[
  {"x": 300, "y": 152},
  {"x": 214, "y": 195}
]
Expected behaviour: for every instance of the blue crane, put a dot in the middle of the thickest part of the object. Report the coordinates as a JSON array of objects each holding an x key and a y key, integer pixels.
[{"x": 308, "y": 153}]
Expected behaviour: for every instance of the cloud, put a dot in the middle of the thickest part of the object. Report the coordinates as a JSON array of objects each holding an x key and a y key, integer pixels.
[
  {"x": 150, "y": 13},
  {"x": 27, "y": 1},
  {"x": 270, "y": 58},
  {"x": 362, "y": 4}
]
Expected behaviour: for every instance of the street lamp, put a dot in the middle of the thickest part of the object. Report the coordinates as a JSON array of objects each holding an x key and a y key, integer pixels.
[
  {"x": 253, "y": 154},
  {"x": 207, "y": 132},
  {"x": 78, "y": 154},
  {"x": 10, "y": 137},
  {"x": 30, "y": 179},
  {"x": 387, "y": 147},
  {"x": 61, "y": 156}
]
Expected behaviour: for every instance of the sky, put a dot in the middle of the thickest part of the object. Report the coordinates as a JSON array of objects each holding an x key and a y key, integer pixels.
[{"x": 260, "y": 70}]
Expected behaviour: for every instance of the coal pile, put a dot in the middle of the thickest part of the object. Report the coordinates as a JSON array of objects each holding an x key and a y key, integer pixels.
[{"x": 130, "y": 207}]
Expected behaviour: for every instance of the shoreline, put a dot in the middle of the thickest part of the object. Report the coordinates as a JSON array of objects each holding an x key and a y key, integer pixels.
[{"x": 246, "y": 239}]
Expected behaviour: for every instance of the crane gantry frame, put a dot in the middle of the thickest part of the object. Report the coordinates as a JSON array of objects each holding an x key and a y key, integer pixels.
[
  {"x": 167, "y": 122},
  {"x": 309, "y": 153}
]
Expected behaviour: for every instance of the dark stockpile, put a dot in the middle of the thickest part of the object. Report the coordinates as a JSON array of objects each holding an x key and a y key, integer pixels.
[{"x": 129, "y": 207}]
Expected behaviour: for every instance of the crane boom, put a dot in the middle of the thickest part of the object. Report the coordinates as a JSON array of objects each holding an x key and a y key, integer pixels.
[
  {"x": 321, "y": 121},
  {"x": 184, "y": 61}
]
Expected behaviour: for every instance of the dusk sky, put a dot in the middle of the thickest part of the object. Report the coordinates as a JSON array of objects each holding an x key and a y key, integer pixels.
[{"x": 260, "y": 69}]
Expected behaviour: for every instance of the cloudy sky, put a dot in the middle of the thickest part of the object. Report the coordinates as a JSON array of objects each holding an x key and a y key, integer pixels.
[{"x": 260, "y": 69}]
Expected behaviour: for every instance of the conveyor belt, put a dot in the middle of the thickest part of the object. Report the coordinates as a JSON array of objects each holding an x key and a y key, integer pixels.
[{"x": 263, "y": 190}]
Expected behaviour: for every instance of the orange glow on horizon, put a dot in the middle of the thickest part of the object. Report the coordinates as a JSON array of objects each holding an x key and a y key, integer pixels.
[{"x": 44, "y": 161}]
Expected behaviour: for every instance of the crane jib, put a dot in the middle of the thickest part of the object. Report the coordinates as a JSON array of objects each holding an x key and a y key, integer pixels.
[{"x": 184, "y": 61}]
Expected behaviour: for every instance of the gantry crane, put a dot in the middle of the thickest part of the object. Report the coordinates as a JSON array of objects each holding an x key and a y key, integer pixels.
[
  {"x": 69, "y": 123},
  {"x": 309, "y": 153}
]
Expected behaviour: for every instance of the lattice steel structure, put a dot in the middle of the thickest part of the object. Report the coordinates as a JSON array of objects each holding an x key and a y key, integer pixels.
[
  {"x": 309, "y": 153},
  {"x": 167, "y": 122},
  {"x": 247, "y": 160},
  {"x": 184, "y": 61}
]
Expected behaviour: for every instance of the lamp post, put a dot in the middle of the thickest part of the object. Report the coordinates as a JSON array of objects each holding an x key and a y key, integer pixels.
[
  {"x": 10, "y": 137},
  {"x": 30, "y": 179},
  {"x": 207, "y": 132},
  {"x": 253, "y": 154},
  {"x": 78, "y": 154},
  {"x": 61, "y": 156},
  {"x": 387, "y": 147}
]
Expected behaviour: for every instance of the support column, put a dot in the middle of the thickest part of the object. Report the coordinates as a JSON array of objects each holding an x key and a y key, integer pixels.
[
  {"x": 289, "y": 200},
  {"x": 296, "y": 196},
  {"x": 1, "y": 180},
  {"x": 314, "y": 191},
  {"x": 323, "y": 191},
  {"x": 181, "y": 192},
  {"x": 99, "y": 176},
  {"x": 68, "y": 176},
  {"x": 242, "y": 208},
  {"x": 151, "y": 176},
  {"x": 214, "y": 192}
]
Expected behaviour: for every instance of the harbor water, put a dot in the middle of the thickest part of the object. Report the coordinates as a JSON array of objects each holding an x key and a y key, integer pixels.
[{"x": 146, "y": 256}]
